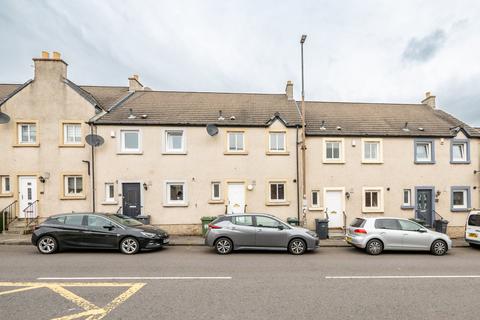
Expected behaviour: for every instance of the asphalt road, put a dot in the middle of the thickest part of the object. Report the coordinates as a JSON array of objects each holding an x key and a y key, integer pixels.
[{"x": 243, "y": 285}]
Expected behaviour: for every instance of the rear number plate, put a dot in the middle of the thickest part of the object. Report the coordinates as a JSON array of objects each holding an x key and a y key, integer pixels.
[
  {"x": 348, "y": 239},
  {"x": 472, "y": 235}
]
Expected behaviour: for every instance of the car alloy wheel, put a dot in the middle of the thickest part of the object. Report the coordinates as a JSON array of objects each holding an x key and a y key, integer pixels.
[
  {"x": 297, "y": 246},
  {"x": 47, "y": 245},
  {"x": 439, "y": 248},
  {"x": 374, "y": 247},
  {"x": 224, "y": 246},
  {"x": 129, "y": 246}
]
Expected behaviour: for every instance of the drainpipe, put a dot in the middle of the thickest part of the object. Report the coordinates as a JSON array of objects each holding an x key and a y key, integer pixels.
[
  {"x": 298, "y": 175},
  {"x": 93, "y": 171}
]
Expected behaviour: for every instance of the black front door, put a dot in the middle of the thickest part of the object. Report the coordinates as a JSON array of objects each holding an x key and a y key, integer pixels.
[
  {"x": 424, "y": 208},
  {"x": 131, "y": 204}
]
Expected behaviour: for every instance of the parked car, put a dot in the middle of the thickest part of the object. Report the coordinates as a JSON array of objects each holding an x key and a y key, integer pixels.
[
  {"x": 258, "y": 231},
  {"x": 96, "y": 231},
  {"x": 378, "y": 234},
  {"x": 472, "y": 229}
]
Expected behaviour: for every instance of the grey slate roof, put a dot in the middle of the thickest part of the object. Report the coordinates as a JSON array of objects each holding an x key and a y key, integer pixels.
[
  {"x": 201, "y": 108},
  {"x": 9, "y": 90},
  {"x": 380, "y": 119}
]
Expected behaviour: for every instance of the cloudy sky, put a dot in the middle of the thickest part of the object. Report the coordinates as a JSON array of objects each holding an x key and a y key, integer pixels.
[{"x": 374, "y": 51}]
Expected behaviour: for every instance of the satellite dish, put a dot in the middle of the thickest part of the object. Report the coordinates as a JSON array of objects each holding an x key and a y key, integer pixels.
[
  {"x": 94, "y": 140},
  {"x": 212, "y": 129},
  {"x": 4, "y": 118}
]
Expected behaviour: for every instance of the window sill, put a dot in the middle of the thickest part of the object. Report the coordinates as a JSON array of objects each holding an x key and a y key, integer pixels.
[
  {"x": 371, "y": 162},
  {"x": 73, "y": 197},
  {"x": 106, "y": 203},
  {"x": 6, "y": 195},
  {"x": 459, "y": 210},
  {"x": 277, "y": 153},
  {"x": 273, "y": 204},
  {"x": 175, "y": 204},
  {"x": 334, "y": 161},
  {"x": 81, "y": 145},
  {"x": 130, "y": 153},
  {"x": 235, "y": 153},
  {"x": 216, "y": 201},
  {"x": 459, "y": 162},
  {"x": 407, "y": 207},
  {"x": 315, "y": 209},
  {"x": 424, "y": 162},
  {"x": 372, "y": 210},
  {"x": 174, "y": 153},
  {"x": 26, "y": 145}
]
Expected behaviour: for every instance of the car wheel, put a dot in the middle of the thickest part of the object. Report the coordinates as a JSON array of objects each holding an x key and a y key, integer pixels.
[
  {"x": 439, "y": 248},
  {"x": 374, "y": 247},
  {"x": 297, "y": 247},
  {"x": 129, "y": 245},
  {"x": 47, "y": 245},
  {"x": 224, "y": 246}
]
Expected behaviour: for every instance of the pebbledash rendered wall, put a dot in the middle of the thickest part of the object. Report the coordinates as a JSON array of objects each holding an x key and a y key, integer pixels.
[
  {"x": 396, "y": 173},
  {"x": 205, "y": 161}
]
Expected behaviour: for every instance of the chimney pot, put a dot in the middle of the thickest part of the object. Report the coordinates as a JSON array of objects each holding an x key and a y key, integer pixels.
[
  {"x": 289, "y": 90},
  {"x": 429, "y": 100},
  {"x": 134, "y": 84},
  {"x": 45, "y": 55},
  {"x": 56, "y": 55}
]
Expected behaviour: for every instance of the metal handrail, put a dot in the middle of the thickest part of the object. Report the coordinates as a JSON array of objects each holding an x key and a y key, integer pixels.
[
  {"x": 119, "y": 209},
  {"x": 8, "y": 214},
  {"x": 344, "y": 220},
  {"x": 30, "y": 213},
  {"x": 437, "y": 215}
]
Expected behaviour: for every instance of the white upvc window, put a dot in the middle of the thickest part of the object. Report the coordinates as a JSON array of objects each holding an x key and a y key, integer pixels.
[
  {"x": 460, "y": 152},
  {"x": 373, "y": 199},
  {"x": 333, "y": 150},
  {"x": 372, "y": 151},
  {"x": 424, "y": 151},
  {"x": 277, "y": 192},
  {"x": 460, "y": 198},
  {"x": 175, "y": 141},
  {"x": 72, "y": 133},
  {"x": 27, "y": 133},
  {"x": 6, "y": 187},
  {"x": 277, "y": 142},
  {"x": 130, "y": 141},
  {"x": 109, "y": 192},
  {"x": 407, "y": 198},
  {"x": 236, "y": 141},
  {"x": 176, "y": 193},
  {"x": 216, "y": 191},
  {"x": 73, "y": 185},
  {"x": 315, "y": 198}
]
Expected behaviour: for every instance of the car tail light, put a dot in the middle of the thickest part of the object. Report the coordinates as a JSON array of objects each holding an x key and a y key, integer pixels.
[
  {"x": 212, "y": 226},
  {"x": 360, "y": 231}
]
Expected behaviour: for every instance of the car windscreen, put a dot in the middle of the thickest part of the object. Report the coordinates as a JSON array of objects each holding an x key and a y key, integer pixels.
[
  {"x": 357, "y": 223},
  {"x": 474, "y": 220},
  {"x": 124, "y": 220}
]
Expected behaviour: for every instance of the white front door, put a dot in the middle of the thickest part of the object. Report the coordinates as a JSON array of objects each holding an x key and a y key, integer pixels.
[
  {"x": 334, "y": 207},
  {"x": 27, "y": 186},
  {"x": 236, "y": 198}
]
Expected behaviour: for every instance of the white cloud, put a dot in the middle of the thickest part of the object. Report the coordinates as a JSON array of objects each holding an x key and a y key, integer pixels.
[{"x": 355, "y": 50}]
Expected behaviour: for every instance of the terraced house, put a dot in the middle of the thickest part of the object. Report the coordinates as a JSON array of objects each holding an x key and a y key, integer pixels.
[{"x": 178, "y": 156}]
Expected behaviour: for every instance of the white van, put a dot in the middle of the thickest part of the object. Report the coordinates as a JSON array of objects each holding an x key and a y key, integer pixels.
[{"x": 472, "y": 229}]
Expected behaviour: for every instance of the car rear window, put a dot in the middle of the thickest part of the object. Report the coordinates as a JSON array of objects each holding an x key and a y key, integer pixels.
[
  {"x": 221, "y": 218},
  {"x": 357, "y": 223},
  {"x": 243, "y": 220},
  {"x": 74, "y": 220},
  {"x": 474, "y": 220},
  {"x": 390, "y": 224}
]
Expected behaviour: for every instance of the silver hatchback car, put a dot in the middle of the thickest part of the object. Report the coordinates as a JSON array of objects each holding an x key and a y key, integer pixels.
[
  {"x": 378, "y": 234},
  {"x": 258, "y": 231}
]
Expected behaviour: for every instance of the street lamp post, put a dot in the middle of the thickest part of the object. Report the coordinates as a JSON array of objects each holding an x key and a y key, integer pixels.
[{"x": 304, "y": 146}]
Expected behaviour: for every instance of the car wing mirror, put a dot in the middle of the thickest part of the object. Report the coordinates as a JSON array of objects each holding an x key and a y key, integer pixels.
[
  {"x": 280, "y": 227},
  {"x": 421, "y": 230},
  {"x": 109, "y": 227}
]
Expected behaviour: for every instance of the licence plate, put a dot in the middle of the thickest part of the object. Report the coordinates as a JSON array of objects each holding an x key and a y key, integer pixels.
[
  {"x": 348, "y": 239},
  {"x": 472, "y": 235}
]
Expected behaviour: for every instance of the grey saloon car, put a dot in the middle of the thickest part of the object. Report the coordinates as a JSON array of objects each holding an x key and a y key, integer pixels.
[
  {"x": 258, "y": 231},
  {"x": 378, "y": 234}
]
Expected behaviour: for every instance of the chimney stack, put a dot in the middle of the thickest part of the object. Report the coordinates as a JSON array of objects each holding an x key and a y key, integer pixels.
[
  {"x": 429, "y": 100},
  {"x": 289, "y": 90},
  {"x": 50, "y": 67},
  {"x": 134, "y": 84}
]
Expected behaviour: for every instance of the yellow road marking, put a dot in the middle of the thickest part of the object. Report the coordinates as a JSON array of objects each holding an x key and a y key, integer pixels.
[{"x": 91, "y": 311}]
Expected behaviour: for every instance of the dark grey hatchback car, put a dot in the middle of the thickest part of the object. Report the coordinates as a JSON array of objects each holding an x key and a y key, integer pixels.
[{"x": 96, "y": 231}]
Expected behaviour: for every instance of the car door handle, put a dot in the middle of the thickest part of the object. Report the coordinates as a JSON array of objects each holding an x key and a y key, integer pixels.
[{"x": 259, "y": 230}]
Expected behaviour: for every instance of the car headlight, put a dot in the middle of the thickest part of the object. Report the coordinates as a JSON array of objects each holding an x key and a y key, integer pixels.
[
  {"x": 149, "y": 235},
  {"x": 313, "y": 234}
]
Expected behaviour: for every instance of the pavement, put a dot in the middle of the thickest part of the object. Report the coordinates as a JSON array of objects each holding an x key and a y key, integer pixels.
[
  {"x": 13, "y": 239},
  {"x": 193, "y": 282}
]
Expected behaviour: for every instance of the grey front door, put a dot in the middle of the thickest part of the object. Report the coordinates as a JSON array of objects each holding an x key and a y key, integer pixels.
[
  {"x": 131, "y": 203},
  {"x": 424, "y": 208}
]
